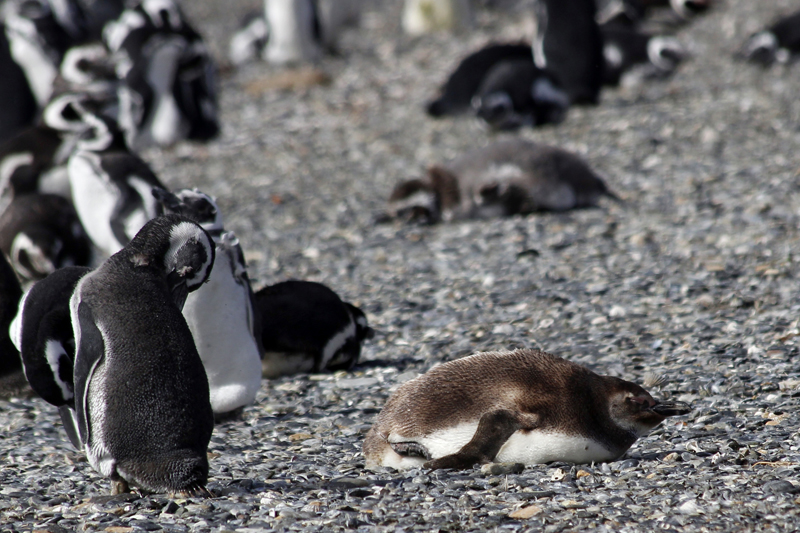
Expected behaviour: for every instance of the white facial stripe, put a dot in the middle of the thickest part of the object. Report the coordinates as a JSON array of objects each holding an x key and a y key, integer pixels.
[
  {"x": 53, "y": 351},
  {"x": 337, "y": 341}
]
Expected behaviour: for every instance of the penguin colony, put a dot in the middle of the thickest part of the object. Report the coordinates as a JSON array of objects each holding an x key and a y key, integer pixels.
[{"x": 139, "y": 321}]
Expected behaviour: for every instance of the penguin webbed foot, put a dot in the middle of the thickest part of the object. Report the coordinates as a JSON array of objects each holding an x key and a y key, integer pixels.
[{"x": 493, "y": 431}]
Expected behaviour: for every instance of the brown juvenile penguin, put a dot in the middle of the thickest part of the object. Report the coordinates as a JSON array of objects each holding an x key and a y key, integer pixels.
[
  {"x": 525, "y": 406},
  {"x": 505, "y": 178}
]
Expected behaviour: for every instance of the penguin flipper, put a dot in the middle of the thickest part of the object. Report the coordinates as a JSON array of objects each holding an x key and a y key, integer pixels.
[
  {"x": 493, "y": 431},
  {"x": 89, "y": 353},
  {"x": 70, "y": 422}
]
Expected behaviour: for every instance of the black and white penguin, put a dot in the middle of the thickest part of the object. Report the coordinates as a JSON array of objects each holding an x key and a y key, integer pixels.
[
  {"x": 141, "y": 395},
  {"x": 777, "y": 43},
  {"x": 525, "y": 406},
  {"x": 505, "y": 178},
  {"x": 42, "y": 332},
  {"x": 569, "y": 45},
  {"x": 220, "y": 314},
  {"x": 17, "y": 104},
  {"x": 632, "y": 53},
  {"x": 12, "y": 377},
  {"x": 111, "y": 186},
  {"x": 169, "y": 73},
  {"x": 427, "y": 16},
  {"x": 41, "y": 233},
  {"x": 306, "y": 327}
]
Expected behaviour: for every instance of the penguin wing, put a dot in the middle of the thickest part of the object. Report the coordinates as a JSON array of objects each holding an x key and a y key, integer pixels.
[{"x": 89, "y": 354}]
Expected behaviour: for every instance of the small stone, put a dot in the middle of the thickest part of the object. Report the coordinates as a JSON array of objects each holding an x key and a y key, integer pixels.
[
  {"x": 502, "y": 469},
  {"x": 526, "y": 512}
]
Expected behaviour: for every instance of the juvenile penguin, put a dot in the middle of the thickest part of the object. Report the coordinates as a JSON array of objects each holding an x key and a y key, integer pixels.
[
  {"x": 12, "y": 378},
  {"x": 111, "y": 186},
  {"x": 306, "y": 327},
  {"x": 220, "y": 313},
  {"x": 40, "y": 233},
  {"x": 524, "y": 406},
  {"x": 505, "y": 178},
  {"x": 42, "y": 332},
  {"x": 569, "y": 45},
  {"x": 777, "y": 43},
  {"x": 141, "y": 394}
]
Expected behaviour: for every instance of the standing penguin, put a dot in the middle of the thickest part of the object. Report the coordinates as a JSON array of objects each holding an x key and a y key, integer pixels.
[
  {"x": 111, "y": 186},
  {"x": 525, "y": 406},
  {"x": 41, "y": 233},
  {"x": 569, "y": 45},
  {"x": 306, "y": 327},
  {"x": 503, "y": 179},
  {"x": 220, "y": 314},
  {"x": 141, "y": 394}
]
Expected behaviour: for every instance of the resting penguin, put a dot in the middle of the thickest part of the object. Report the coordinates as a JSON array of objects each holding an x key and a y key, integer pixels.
[
  {"x": 569, "y": 45},
  {"x": 220, "y": 313},
  {"x": 111, "y": 186},
  {"x": 306, "y": 327},
  {"x": 524, "y": 406},
  {"x": 42, "y": 332},
  {"x": 142, "y": 405},
  {"x": 12, "y": 378},
  {"x": 777, "y": 43},
  {"x": 40, "y": 233},
  {"x": 505, "y": 178}
]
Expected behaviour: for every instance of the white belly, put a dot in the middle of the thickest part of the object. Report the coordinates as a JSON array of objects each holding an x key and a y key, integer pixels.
[{"x": 218, "y": 317}]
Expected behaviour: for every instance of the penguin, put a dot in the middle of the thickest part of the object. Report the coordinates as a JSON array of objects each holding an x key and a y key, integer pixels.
[
  {"x": 41, "y": 233},
  {"x": 169, "y": 75},
  {"x": 220, "y": 315},
  {"x": 42, "y": 332},
  {"x": 525, "y": 406},
  {"x": 12, "y": 377},
  {"x": 629, "y": 52},
  {"x": 457, "y": 94},
  {"x": 110, "y": 185},
  {"x": 427, "y": 16},
  {"x": 306, "y": 327},
  {"x": 777, "y": 43},
  {"x": 17, "y": 103},
  {"x": 569, "y": 45},
  {"x": 517, "y": 93},
  {"x": 508, "y": 177},
  {"x": 142, "y": 407}
]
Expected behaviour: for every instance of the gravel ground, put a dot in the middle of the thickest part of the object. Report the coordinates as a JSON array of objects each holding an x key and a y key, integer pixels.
[{"x": 694, "y": 277}]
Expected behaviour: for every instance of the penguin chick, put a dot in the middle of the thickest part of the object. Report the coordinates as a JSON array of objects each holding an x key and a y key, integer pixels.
[
  {"x": 141, "y": 395},
  {"x": 306, "y": 327},
  {"x": 638, "y": 54},
  {"x": 505, "y": 178},
  {"x": 428, "y": 16},
  {"x": 12, "y": 377},
  {"x": 777, "y": 43},
  {"x": 41, "y": 233},
  {"x": 220, "y": 313},
  {"x": 524, "y": 406}
]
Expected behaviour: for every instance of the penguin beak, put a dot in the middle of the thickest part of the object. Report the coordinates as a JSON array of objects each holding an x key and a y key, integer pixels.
[{"x": 671, "y": 408}]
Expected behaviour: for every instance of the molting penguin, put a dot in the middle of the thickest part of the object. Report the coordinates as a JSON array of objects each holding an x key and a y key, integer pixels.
[
  {"x": 307, "y": 328},
  {"x": 12, "y": 378},
  {"x": 111, "y": 186},
  {"x": 40, "y": 233},
  {"x": 427, "y": 16},
  {"x": 141, "y": 394},
  {"x": 525, "y": 406},
  {"x": 220, "y": 314},
  {"x": 778, "y": 42},
  {"x": 505, "y": 178},
  {"x": 634, "y": 54},
  {"x": 569, "y": 45},
  {"x": 42, "y": 331}
]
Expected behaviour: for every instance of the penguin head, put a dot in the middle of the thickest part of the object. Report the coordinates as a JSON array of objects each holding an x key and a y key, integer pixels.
[
  {"x": 192, "y": 204},
  {"x": 635, "y": 410},
  {"x": 178, "y": 248}
]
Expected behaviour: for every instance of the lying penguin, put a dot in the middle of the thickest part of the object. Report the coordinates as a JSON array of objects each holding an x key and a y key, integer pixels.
[
  {"x": 505, "y": 178},
  {"x": 306, "y": 327},
  {"x": 777, "y": 43},
  {"x": 220, "y": 314},
  {"x": 140, "y": 426},
  {"x": 524, "y": 406},
  {"x": 501, "y": 84}
]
